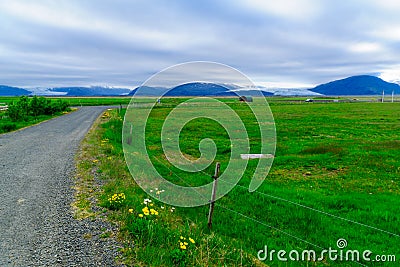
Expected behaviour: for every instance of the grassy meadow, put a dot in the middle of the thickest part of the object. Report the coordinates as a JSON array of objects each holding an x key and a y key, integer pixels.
[
  {"x": 335, "y": 176},
  {"x": 79, "y": 101},
  {"x": 26, "y": 111},
  {"x": 7, "y": 125}
]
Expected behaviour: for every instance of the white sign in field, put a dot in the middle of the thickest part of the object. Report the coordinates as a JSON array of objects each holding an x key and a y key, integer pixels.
[{"x": 256, "y": 156}]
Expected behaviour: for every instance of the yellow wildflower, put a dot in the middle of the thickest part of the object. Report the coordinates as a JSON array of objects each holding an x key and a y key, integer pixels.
[
  {"x": 153, "y": 212},
  {"x": 146, "y": 211},
  {"x": 141, "y": 215},
  {"x": 130, "y": 210},
  {"x": 191, "y": 240}
]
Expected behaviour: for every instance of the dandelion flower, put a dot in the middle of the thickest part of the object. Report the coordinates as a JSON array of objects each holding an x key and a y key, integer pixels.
[
  {"x": 146, "y": 211},
  {"x": 130, "y": 210},
  {"x": 191, "y": 240},
  {"x": 141, "y": 215},
  {"x": 182, "y": 245},
  {"x": 153, "y": 212},
  {"x": 185, "y": 243}
]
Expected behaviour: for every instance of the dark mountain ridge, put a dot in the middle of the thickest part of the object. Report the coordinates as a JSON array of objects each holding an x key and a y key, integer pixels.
[
  {"x": 91, "y": 91},
  {"x": 13, "y": 91},
  {"x": 196, "y": 89},
  {"x": 357, "y": 85}
]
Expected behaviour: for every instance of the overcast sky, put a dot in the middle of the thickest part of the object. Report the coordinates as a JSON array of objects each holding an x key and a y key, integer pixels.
[{"x": 289, "y": 43}]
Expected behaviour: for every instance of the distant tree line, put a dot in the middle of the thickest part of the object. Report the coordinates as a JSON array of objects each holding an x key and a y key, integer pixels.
[{"x": 26, "y": 108}]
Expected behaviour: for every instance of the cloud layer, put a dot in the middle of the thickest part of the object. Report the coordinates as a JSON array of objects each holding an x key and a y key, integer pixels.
[{"x": 276, "y": 43}]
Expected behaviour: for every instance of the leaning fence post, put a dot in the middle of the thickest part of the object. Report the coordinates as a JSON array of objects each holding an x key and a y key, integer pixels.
[
  {"x": 129, "y": 139},
  {"x": 213, "y": 195}
]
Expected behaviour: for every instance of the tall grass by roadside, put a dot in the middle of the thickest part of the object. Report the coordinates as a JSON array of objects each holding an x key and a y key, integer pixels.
[
  {"x": 79, "y": 101},
  {"x": 25, "y": 111}
]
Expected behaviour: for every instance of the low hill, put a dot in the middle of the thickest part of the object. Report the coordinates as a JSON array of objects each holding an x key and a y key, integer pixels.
[
  {"x": 357, "y": 85},
  {"x": 13, "y": 91}
]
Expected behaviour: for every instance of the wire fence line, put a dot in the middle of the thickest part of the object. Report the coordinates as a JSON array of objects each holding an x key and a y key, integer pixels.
[{"x": 264, "y": 224}]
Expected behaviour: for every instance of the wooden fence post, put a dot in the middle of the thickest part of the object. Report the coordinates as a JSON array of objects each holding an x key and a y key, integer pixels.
[
  {"x": 129, "y": 139},
  {"x": 213, "y": 195}
]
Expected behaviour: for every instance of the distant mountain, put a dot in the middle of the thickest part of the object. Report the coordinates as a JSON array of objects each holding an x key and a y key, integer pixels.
[
  {"x": 357, "y": 85},
  {"x": 251, "y": 92},
  {"x": 198, "y": 89},
  {"x": 292, "y": 92},
  {"x": 13, "y": 91},
  {"x": 148, "y": 91},
  {"x": 90, "y": 91}
]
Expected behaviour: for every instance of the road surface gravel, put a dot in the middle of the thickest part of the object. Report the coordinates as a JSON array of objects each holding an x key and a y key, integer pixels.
[{"x": 36, "y": 222}]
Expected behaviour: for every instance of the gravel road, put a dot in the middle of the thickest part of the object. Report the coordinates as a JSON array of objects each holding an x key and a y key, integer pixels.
[{"x": 36, "y": 223}]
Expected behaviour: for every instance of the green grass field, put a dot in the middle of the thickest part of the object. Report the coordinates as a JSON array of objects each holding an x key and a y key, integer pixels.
[
  {"x": 335, "y": 175},
  {"x": 25, "y": 115},
  {"x": 7, "y": 125},
  {"x": 80, "y": 101}
]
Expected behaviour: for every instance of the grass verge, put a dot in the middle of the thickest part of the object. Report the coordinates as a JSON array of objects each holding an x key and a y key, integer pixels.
[{"x": 7, "y": 125}]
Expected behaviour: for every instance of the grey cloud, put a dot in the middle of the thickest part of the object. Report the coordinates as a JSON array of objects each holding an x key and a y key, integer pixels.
[{"x": 124, "y": 42}]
